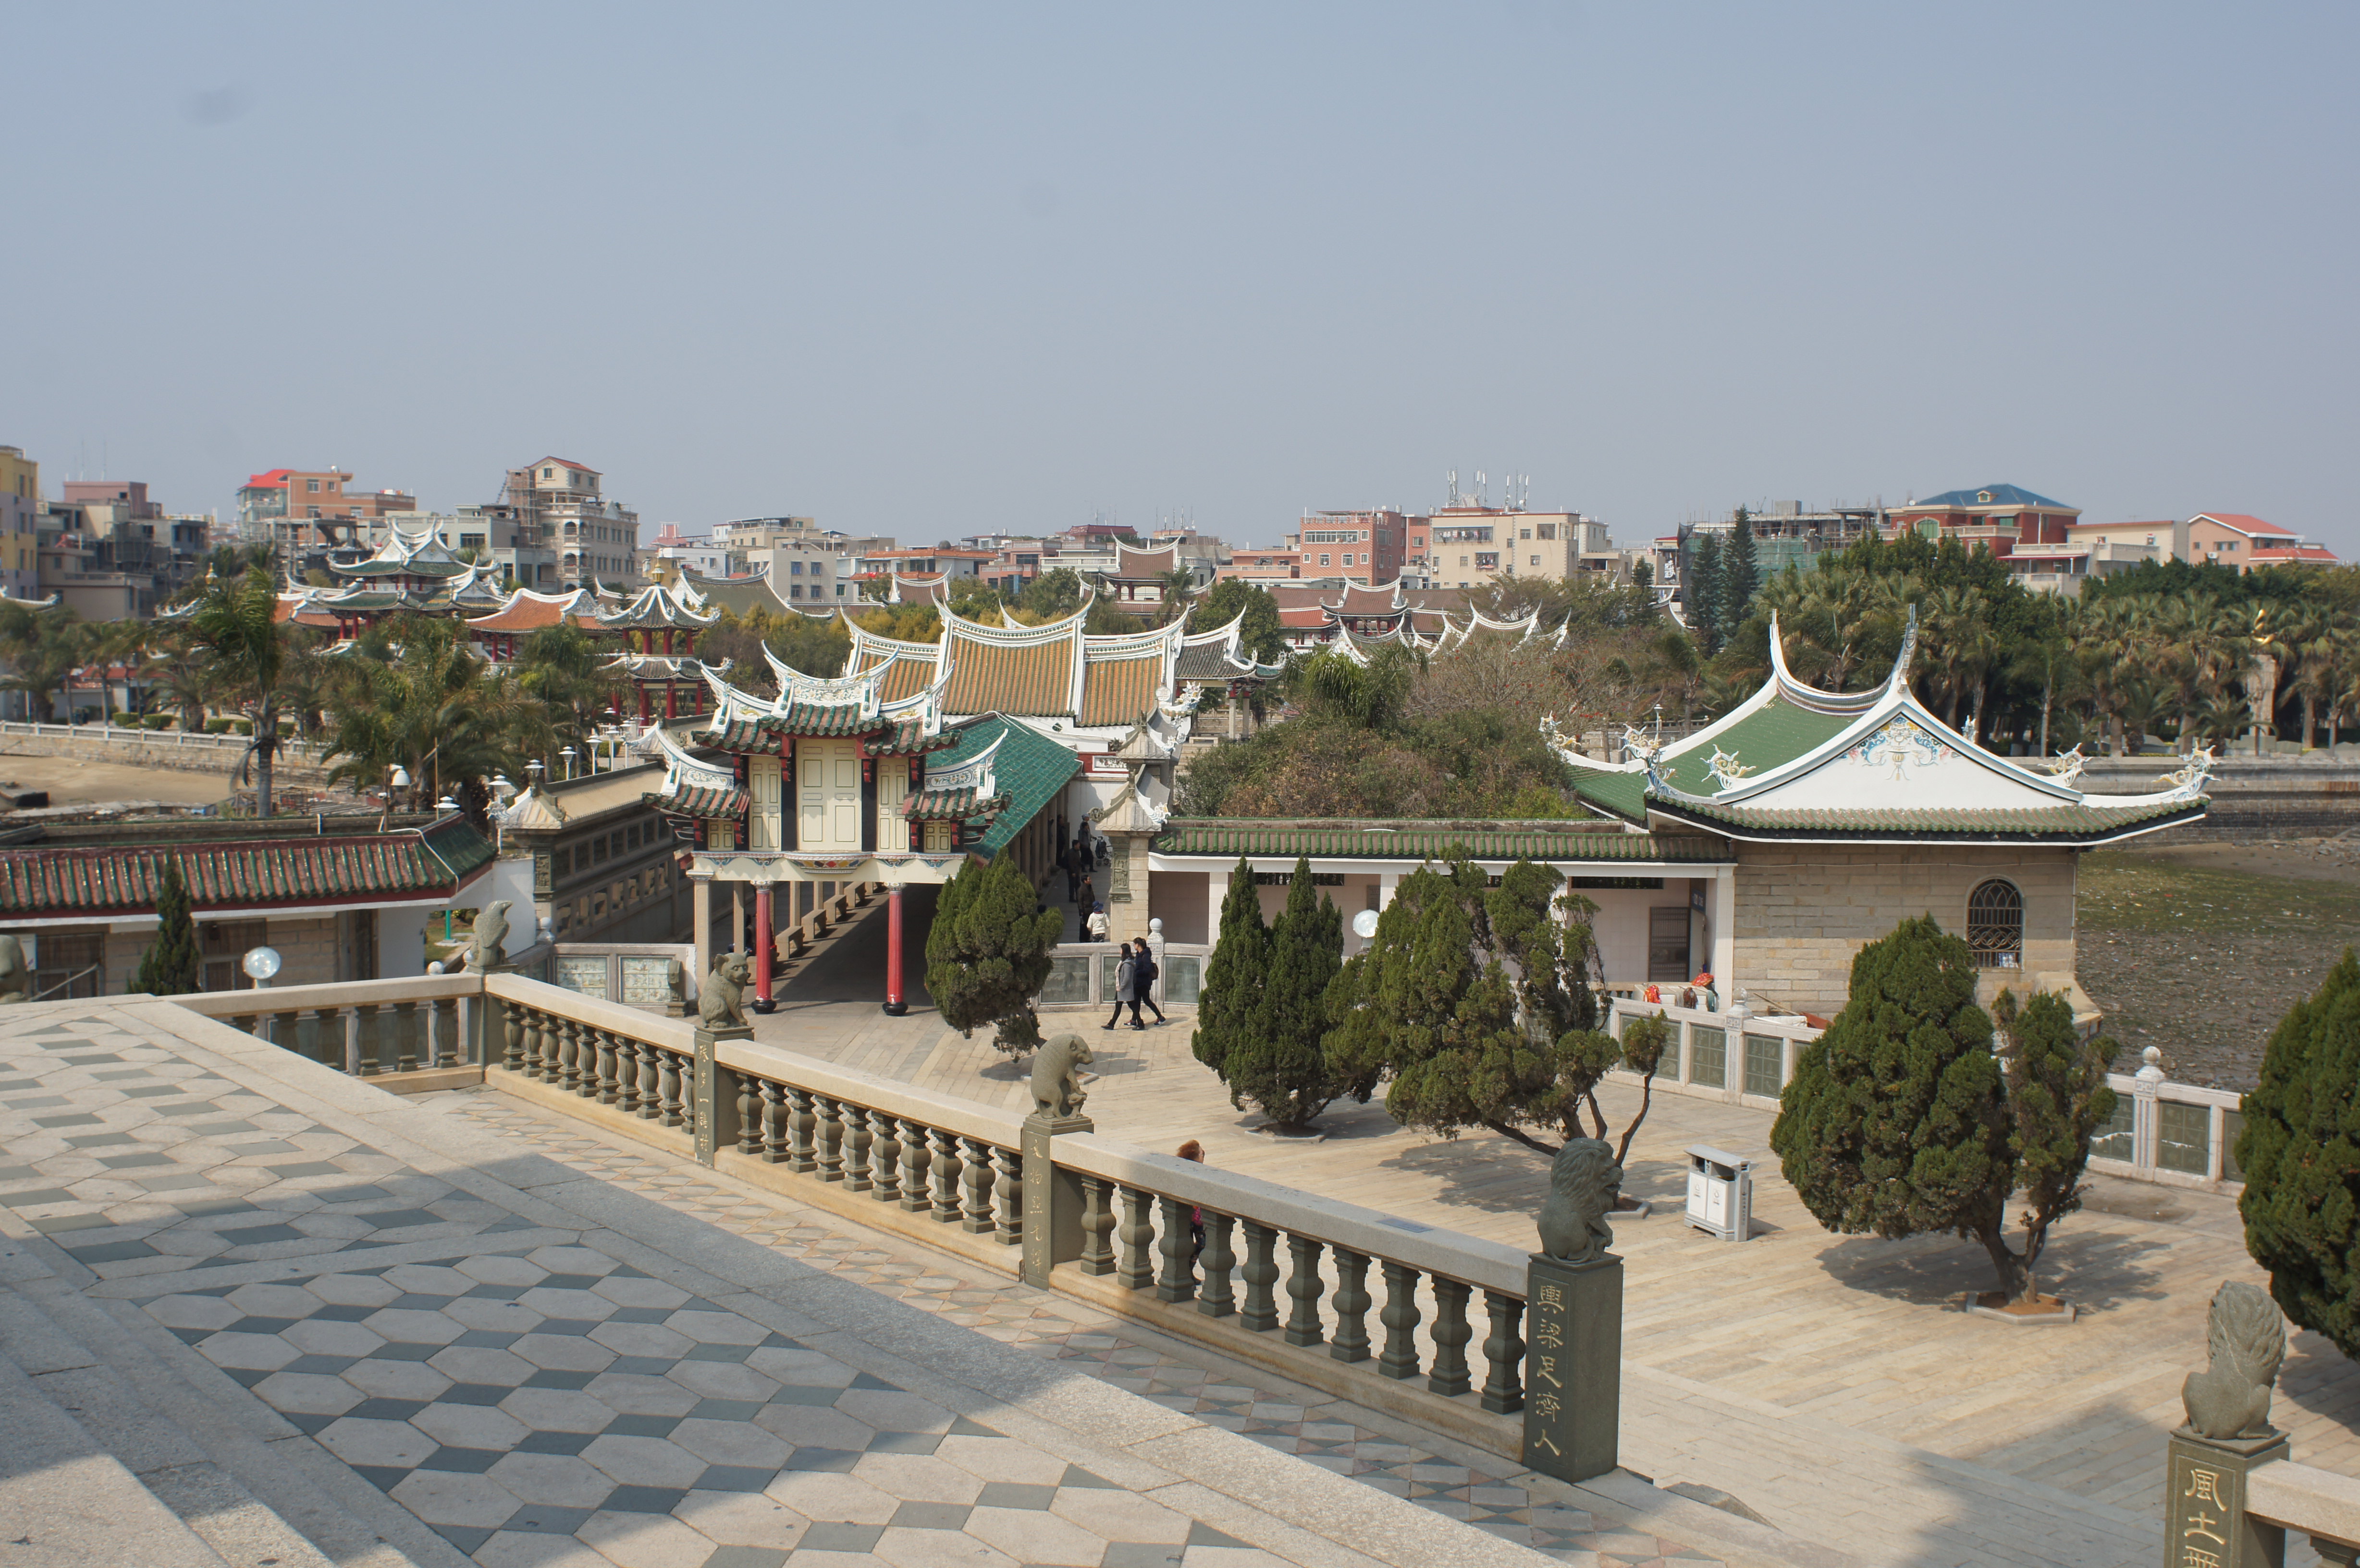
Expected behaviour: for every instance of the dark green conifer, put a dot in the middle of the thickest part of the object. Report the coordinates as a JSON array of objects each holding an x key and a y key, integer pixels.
[
  {"x": 2300, "y": 1156},
  {"x": 988, "y": 955},
  {"x": 170, "y": 966}
]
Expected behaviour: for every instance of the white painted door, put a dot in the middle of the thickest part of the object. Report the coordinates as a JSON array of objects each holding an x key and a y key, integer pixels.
[
  {"x": 763, "y": 823},
  {"x": 827, "y": 790}
]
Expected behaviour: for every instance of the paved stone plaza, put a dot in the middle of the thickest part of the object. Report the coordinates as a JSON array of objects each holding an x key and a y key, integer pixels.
[
  {"x": 1826, "y": 1382},
  {"x": 464, "y": 1329}
]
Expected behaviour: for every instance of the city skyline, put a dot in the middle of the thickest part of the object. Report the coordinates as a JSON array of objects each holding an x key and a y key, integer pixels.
[{"x": 938, "y": 275}]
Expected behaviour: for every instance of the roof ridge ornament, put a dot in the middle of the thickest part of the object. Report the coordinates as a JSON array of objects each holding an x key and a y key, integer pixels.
[
  {"x": 2192, "y": 779},
  {"x": 2067, "y": 767},
  {"x": 1897, "y": 684},
  {"x": 1725, "y": 766}
]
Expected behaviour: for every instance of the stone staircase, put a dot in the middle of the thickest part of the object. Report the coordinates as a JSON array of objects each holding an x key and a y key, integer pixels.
[{"x": 115, "y": 1455}]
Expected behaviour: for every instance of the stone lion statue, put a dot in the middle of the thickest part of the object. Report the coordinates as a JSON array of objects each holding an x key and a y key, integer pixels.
[
  {"x": 16, "y": 975},
  {"x": 720, "y": 1002},
  {"x": 1057, "y": 1092},
  {"x": 1584, "y": 1182},
  {"x": 2246, "y": 1338},
  {"x": 485, "y": 954}
]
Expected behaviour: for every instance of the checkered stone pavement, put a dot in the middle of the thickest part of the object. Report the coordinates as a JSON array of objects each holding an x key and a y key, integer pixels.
[
  {"x": 531, "y": 1405},
  {"x": 1498, "y": 1498}
]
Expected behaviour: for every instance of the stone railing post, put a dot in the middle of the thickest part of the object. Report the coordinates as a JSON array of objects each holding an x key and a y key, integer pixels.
[
  {"x": 2204, "y": 1502},
  {"x": 2147, "y": 1084},
  {"x": 1573, "y": 1374},
  {"x": 705, "y": 1091},
  {"x": 1052, "y": 1198}
]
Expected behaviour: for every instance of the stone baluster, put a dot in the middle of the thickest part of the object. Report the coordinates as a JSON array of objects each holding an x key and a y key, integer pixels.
[
  {"x": 405, "y": 1038},
  {"x": 1351, "y": 1302},
  {"x": 668, "y": 1067},
  {"x": 367, "y": 1030},
  {"x": 774, "y": 1125},
  {"x": 324, "y": 1038},
  {"x": 749, "y": 1125},
  {"x": 977, "y": 1179},
  {"x": 1505, "y": 1350},
  {"x": 650, "y": 1057},
  {"x": 856, "y": 1140},
  {"x": 573, "y": 1059},
  {"x": 1097, "y": 1225},
  {"x": 1178, "y": 1280},
  {"x": 948, "y": 1168},
  {"x": 1137, "y": 1272},
  {"x": 802, "y": 1126},
  {"x": 1401, "y": 1319},
  {"x": 284, "y": 1029},
  {"x": 512, "y": 1038},
  {"x": 1261, "y": 1275},
  {"x": 831, "y": 1138},
  {"x": 542, "y": 1032},
  {"x": 1217, "y": 1298},
  {"x": 1303, "y": 1285},
  {"x": 1448, "y": 1374},
  {"x": 1012, "y": 1195},
  {"x": 608, "y": 1085},
  {"x": 917, "y": 1150},
  {"x": 885, "y": 1162}
]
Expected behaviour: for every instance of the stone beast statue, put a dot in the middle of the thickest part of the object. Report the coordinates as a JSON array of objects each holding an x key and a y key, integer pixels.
[
  {"x": 1584, "y": 1182},
  {"x": 1057, "y": 1092},
  {"x": 720, "y": 1002},
  {"x": 16, "y": 975},
  {"x": 2231, "y": 1398},
  {"x": 485, "y": 955}
]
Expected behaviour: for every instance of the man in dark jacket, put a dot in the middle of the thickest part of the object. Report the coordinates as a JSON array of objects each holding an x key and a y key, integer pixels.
[{"x": 1144, "y": 971}]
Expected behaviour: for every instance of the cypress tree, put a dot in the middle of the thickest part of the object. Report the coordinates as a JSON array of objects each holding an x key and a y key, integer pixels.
[
  {"x": 2301, "y": 1154},
  {"x": 1740, "y": 577},
  {"x": 1229, "y": 1001},
  {"x": 170, "y": 966},
  {"x": 988, "y": 953},
  {"x": 1902, "y": 1121},
  {"x": 1281, "y": 1065},
  {"x": 1701, "y": 596}
]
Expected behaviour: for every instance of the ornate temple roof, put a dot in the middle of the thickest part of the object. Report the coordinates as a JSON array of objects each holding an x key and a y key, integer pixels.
[
  {"x": 694, "y": 787},
  {"x": 1132, "y": 564},
  {"x": 660, "y": 606},
  {"x": 1794, "y": 763},
  {"x": 407, "y": 552},
  {"x": 526, "y": 610},
  {"x": 260, "y": 865}
]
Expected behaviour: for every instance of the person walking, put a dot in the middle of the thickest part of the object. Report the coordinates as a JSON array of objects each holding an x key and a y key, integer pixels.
[
  {"x": 1143, "y": 960},
  {"x": 1126, "y": 990},
  {"x": 1095, "y": 926}
]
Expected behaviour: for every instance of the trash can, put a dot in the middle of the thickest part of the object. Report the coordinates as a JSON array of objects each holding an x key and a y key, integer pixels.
[{"x": 1720, "y": 1191}]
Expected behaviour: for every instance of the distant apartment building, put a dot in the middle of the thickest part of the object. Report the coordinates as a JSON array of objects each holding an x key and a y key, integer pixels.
[
  {"x": 671, "y": 550},
  {"x": 1465, "y": 545},
  {"x": 558, "y": 500},
  {"x": 1265, "y": 565},
  {"x": 2247, "y": 543},
  {"x": 1365, "y": 545},
  {"x": 939, "y": 561},
  {"x": 20, "y": 511},
  {"x": 307, "y": 514},
  {"x": 105, "y": 550}
]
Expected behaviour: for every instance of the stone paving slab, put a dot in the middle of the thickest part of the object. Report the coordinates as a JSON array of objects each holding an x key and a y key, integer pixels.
[{"x": 529, "y": 1365}]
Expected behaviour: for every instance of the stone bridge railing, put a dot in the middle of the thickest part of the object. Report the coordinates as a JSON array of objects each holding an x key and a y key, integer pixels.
[{"x": 1424, "y": 1324}]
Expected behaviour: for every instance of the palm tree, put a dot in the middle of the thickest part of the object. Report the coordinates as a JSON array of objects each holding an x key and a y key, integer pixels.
[
  {"x": 235, "y": 623},
  {"x": 414, "y": 695},
  {"x": 2105, "y": 642},
  {"x": 559, "y": 667},
  {"x": 2195, "y": 645},
  {"x": 2316, "y": 641},
  {"x": 41, "y": 673},
  {"x": 1177, "y": 586}
]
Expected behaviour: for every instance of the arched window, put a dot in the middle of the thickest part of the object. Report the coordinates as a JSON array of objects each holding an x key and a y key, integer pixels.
[{"x": 1995, "y": 925}]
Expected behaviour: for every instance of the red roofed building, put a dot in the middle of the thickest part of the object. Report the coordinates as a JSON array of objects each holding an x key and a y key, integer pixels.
[
  {"x": 304, "y": 513},
  {"x": 2240, "y": 540}
]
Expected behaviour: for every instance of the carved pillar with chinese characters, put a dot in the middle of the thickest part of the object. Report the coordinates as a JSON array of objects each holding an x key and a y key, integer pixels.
[
  {"x": 1573, "y": 1366},
  {"x": 2205, "y": 1522},
  {"x": 1051, "y": 1197}
]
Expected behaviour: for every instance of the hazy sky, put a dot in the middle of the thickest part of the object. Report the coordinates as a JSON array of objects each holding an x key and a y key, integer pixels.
[{"x": 931, "y": 271}]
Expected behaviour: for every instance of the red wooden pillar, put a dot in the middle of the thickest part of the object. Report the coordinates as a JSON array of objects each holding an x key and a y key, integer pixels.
[
  {"x": 894, "y": 1004},
  {"x": 646, "y": 709},
  {"x": 762, "y": 1003},
  {"x": 672, "y": 701}
]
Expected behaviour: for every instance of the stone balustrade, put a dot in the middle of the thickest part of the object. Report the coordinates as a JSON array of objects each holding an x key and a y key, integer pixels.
[{"x": 1426, "y": 1324}]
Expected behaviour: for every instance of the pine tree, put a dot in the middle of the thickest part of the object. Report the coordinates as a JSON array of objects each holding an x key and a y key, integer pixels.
[
  {"x": 170, "y": 966},
  {"x": 1902, "y": 1121},
  {"x": 1700, "y": 597},
  {"x": 1740, "y": 577},
  {"x": 2301, "y": 1154},
  {"x": 1474, "y": 1007},
  {"x": 1280, "y": 1063},
  {"x": 988, "y": 955},
  {"x": 1229, "y": 1003}
]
